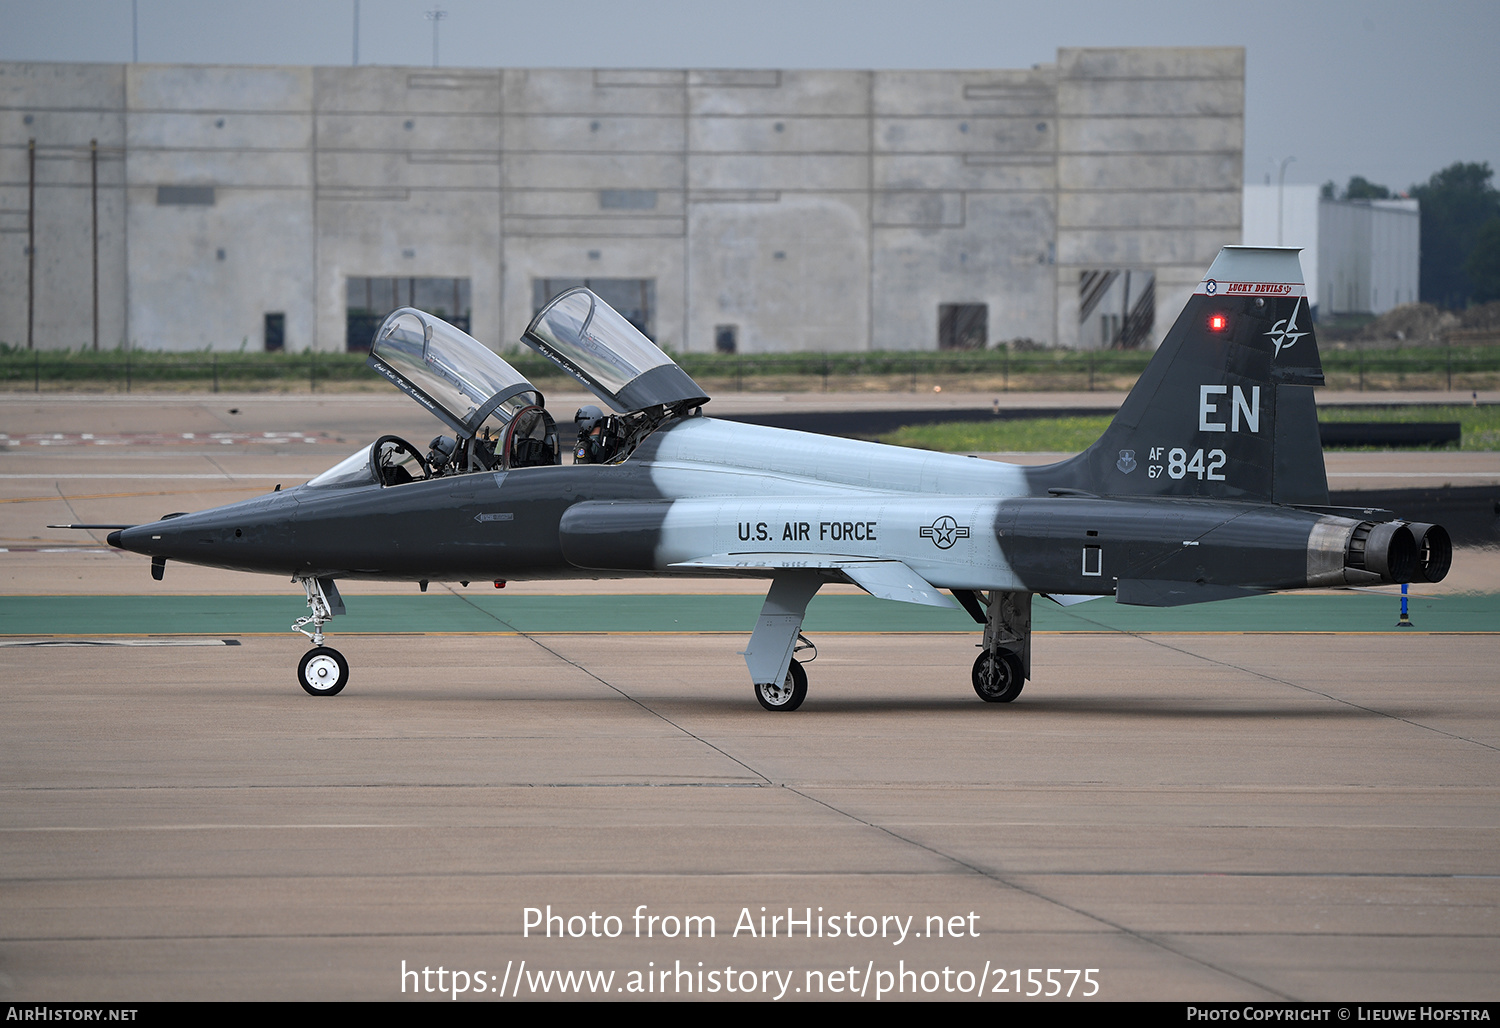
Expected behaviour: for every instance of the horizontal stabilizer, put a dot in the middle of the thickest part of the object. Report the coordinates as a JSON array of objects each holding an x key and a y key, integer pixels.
[
  {"x": 883, "y": 579},
  {"x": 1148, "y": 593}
]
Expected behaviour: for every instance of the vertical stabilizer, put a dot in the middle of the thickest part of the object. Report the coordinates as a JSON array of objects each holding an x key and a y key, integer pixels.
[{"x": 1225, "y": 408}]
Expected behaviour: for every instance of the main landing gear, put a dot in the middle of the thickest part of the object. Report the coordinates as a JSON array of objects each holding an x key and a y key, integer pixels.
[
  {"x": 1001, "y": 670},
  {"x": 323, "y": 671},
  {"x": 780, "y": 682},
  {"x": 779, "y": 679}
]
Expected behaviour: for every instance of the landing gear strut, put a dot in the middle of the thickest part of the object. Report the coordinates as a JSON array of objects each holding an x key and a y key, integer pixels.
[
  {"x": 1002, "y": 668},
  {"x": 323, "y": 670},
  {"x": 779, "y": 680}
]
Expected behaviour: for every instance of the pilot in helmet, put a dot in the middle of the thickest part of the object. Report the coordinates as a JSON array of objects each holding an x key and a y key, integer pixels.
[
  {"x": 587, "y": 419},
  {"x": 598, "y": 436}
]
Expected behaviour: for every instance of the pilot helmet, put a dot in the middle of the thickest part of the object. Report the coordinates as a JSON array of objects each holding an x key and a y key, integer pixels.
[{"x": 587, "y": 417}]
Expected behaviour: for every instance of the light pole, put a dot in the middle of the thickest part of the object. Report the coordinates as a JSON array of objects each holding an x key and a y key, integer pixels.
[
  {"x": 356, "y": 33},
  {"x": 1280, "y": 190},
  {"x": 435, "y": 17}
]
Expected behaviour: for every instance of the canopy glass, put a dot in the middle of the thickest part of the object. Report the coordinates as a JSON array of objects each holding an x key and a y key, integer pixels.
[
  {"x": 449, "y": 372},
  {"x": 593, "y": 342}
]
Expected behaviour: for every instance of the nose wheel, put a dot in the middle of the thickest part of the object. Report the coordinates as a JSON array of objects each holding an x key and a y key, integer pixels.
[{"x": 323, "y": 671}]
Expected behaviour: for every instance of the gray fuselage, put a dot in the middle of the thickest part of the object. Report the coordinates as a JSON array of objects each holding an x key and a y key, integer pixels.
[{"x": 712, "y": 497}]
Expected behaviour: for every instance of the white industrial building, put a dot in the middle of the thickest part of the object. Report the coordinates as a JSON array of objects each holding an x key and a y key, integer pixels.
[
  {"x": 752, "y": 211},
  {"x": 1359, "y": 256}
]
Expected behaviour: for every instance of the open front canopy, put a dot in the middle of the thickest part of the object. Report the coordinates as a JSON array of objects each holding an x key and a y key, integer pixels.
[
  {"x": 595, "y": 344},
  {"x": 448, "y": 371}
]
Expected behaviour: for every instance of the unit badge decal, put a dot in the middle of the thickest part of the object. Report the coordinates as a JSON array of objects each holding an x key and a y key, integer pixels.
[
  {"x": 1126, "y": 463},
  {"x": 1284, "y": 334}
]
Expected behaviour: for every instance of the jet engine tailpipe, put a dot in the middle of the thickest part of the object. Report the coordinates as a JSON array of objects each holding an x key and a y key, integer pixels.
[
  {"x": 1434, "y": 550},
  {"x": 1387, "y": 549}
]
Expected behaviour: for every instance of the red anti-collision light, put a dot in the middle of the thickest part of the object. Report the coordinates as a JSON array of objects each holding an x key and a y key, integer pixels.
[{"x": 1217, "y": 322}]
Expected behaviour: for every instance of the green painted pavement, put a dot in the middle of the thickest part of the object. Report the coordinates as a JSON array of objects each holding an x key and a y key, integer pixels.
[{"x": 478, "y": 612}]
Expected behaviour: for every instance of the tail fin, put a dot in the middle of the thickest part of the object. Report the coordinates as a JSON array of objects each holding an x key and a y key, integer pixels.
[{"x": 1225, "y": 408}]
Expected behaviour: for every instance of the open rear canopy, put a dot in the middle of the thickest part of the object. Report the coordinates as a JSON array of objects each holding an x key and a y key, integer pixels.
[{"x": 596, "y": 345}]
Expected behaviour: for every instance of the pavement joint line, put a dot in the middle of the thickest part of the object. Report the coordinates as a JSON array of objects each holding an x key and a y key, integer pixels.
[
  {"x": 973, "y": 868},
  {"x": 957, "y": 861},
  {"x": 73, "y": 512},
  {"x": 1145, "y": 637},
  {"x": 1330, "y": 696},
  {"x": 606, "y": 684},
  {"x": 1006, "y": 880}
]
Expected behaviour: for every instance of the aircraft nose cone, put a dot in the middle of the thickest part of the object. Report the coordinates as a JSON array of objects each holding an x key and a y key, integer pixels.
[
  {"x": 249, "y": 535},
  {"x": 136, "y": 539}
]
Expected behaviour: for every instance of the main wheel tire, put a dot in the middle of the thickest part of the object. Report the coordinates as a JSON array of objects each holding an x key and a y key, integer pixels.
[
  {"x": 323, "y": 671},
  {"x": 998, "y": 677},
  {"x": 789, "y": 694}
]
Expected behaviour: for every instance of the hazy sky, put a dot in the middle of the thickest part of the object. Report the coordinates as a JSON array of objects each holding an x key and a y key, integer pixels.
[{"x": 1389, "y": 89}]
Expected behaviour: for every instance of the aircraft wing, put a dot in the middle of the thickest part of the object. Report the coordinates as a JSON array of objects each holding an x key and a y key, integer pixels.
[{"x": 883, "y": 579}]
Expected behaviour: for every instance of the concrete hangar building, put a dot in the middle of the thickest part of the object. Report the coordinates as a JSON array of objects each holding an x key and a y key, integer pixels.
[{"x": 746, "y": 211}]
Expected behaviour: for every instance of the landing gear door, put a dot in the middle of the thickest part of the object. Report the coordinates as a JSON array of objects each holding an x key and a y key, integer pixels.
[{"x": 596, "y": 345}]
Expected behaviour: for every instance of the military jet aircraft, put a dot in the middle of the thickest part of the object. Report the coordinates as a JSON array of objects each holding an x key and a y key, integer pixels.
[{"x": 1209, "y": 483}]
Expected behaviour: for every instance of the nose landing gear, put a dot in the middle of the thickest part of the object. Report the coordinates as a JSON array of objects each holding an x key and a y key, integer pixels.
[{"x": 323, "y": 670}]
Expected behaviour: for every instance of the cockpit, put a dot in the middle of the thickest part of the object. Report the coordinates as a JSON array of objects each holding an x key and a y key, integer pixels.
[{"x": 497, "y": 419}]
